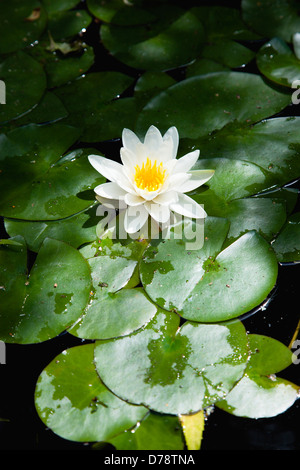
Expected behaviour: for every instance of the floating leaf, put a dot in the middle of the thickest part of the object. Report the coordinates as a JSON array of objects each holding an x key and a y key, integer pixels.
[
  {"x": 54, "y": 295},
  {"x": 262, "y": 17},
  {"x": 211, "y": 284},
  {"x": 260, "y": 393},
  {"x": 87, "y": 411},
  {"x": 272, "y": 144},
  {"x": 287, "y": 243},
  {"x": 25, "y": 82},
  {"x": 154, "y": 432},
  {"x": 75, "y": 230},
  {"x": 172, "y": 41},
  {"x": 172, "y": 370},
  {"x": 43, "y": 191},
  {"x": 21, "y": 24},
  {"x": 278, "y": 63},
  {"x": 119, "y": 12},
  {"x": 209, "y": 102}
]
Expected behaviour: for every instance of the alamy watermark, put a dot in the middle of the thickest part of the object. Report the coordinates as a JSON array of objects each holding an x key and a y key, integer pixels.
[
  {"x": 2, "y": 92},
  {"x": 296, "y": 93},
  {"x": 178, "y": 227},
  {"x": 2, "y": 352},
  {"x": 296, "y": 354}
]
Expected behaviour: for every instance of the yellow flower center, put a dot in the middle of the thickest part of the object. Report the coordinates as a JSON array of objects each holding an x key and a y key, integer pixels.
[{"x": 149, "y": 176}]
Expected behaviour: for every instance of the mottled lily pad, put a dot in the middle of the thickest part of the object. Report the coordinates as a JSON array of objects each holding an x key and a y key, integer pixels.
[
  {"x": 87, "y": 411},
  {"x": 172, "y": 370},
  {"x": 210, "y": 284},
  {"x": 260, "y": 393},
  {"x": 53, "y": 299}
]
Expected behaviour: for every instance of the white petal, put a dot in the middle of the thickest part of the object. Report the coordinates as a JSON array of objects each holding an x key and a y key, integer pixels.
[
  {"x": 107, "y": 168},
  {"x": 129, "y": 160},
  {"x": 153, "y": 139},
  {"x": 110, "y": 191},
  {"x": 173, "y": 134},
  {"x": 133, "y": 199},
  {"x": 112, "y": 171},
  {"x": 158, "y": 212},
  {"x": 174, "y": 181},
  {"x": 186, "y": 162},
  {"x": 188, "y": 207},
  {"x": 166, "y": 198},
  {"x": 197, "y": 178},
  {"x": 135, "y": 218},
  {"x": 130, "y": 140}
]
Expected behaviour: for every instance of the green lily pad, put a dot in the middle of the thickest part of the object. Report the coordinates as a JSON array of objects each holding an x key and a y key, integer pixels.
[
  {"x": 272, "y": 144},
  {"x": 209, "y": 102},
  {"x": 266, "y": 214},
  {"x": 278, "y": 63},
  {"x": 73, "y": 402},
  {"x": 43, "y": 191},
  {"x": 54, "y": 295},
  {"x": 287, "y": 243},
  {"x": 172, "y": 370},
  {"x": 227, "y": 52},
  {"x": 204, "y": 66},
  {"x": 87, "y": 99},
  {"x": 75, "y": 230},
  {"x": 260, "y": 393},
  {"x": 222, "y": 22},
  {"x": 22, "y": 23},
  {"x": 269, "y": 20},
  {"x": 154, "y": 432},
  {"x": 210, "y": 286},
  {"x": 63, "y": 25},
  {"x": 119, "y": 12},
  {"x": 245, "y": 178},
  {"x": 25, "y": 82},
  {"x": 173, "y": 40},
  {"x": 36, "y": 141}
]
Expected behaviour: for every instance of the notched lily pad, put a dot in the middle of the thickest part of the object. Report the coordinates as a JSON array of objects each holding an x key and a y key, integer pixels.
[
  {"x": 50, "y": 299},
  {"x": 287, "y": 243},
  {"x": 172, "y": 370},
  {"x": 260, "y": 393},
  {"x": 87, "y": 412},
  {"x": 208, "y": 285}
]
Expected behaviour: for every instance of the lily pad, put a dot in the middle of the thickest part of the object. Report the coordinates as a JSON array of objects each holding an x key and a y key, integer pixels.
[
  {"x": 63, "y": 25},
  {"x": 43, "y": 191},
  {"x": 212, "y": 284},
  {"x": 260, "y": 393},
  {"x": 278, "y": 63},
  {"x": 73, "y": 402},
  {"x": 154, "y": 432},
  {"x": 287, "y": 243},
  {"x": 172, "y": 370},
  {"x": 227, "y": 52},
  {"x": 209, "y": 102},
  {"x": 21, "y": 24},
  {"x": 53, "y": 299},
  {"x": 204, "y": 66},
  {"x": 25, "y": 82},
  {"x": 272, "y": 144},
  {"x": 87, "y": 98},
  {"x": 75, "y": 230},
  {"x": 120, "y": 13},
  {"x": 173, "y": 40},
  {"x": 269, "y": 20}
]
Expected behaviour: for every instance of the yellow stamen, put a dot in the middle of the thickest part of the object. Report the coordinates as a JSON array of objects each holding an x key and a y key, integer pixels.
[{"x": 150, "y": 176}]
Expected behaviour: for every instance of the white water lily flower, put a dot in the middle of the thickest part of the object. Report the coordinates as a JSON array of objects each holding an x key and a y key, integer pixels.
[{"x": 150, "y": 180}]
